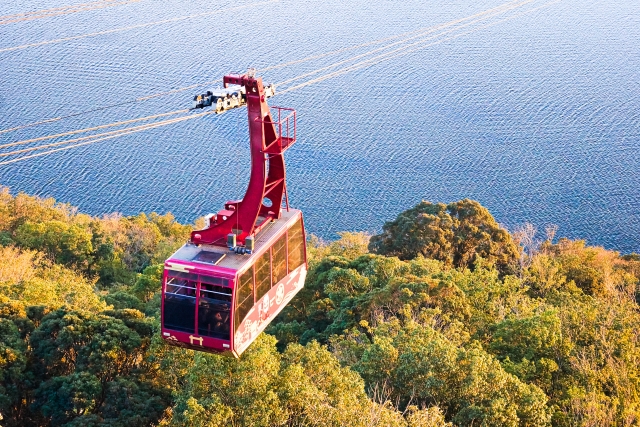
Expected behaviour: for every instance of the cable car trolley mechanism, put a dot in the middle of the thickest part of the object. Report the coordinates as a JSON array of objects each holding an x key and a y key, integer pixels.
[
  {"x": 223, "y": 287},
  {"x": 232, "y": 96}
]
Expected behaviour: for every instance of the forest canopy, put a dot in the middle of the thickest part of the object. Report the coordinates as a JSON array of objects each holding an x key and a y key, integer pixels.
[{"x": 443, "y": 319}]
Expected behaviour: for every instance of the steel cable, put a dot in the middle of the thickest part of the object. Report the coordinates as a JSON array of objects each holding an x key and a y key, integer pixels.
[
  {"x": 274, "y": 67},
  {"x": 400, "y": 52},
  {"x": 353, "y": 67},
  {"x": 64, "y": 12},
  {"x": 113, "y": 132},
  {"x": 80, "y": 113},
  {"x": 54, "y": 9},
  {"x": 400, "y": 42},
  {"x": 500, "y": 9},
  {"x": 132, "y": 27},
  {"x": 121, "y": 132},
  {"x": 346, "y": 49},
  {"x": 42, "y": 138}
]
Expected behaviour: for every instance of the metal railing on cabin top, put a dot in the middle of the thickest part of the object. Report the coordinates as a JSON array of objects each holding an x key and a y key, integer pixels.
[{"x": 285, "y": 128}]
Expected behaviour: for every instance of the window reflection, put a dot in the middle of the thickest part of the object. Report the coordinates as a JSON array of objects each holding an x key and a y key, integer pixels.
[{"x": 180, "y": 302}]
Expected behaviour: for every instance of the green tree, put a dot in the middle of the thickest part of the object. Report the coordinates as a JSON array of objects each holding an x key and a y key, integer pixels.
[
  {"x": 304, "y": 386},
  {"x": 441, "y": 333},
  {"x": 530, "y": 347},
  {"x": 14, "y": 374},
  {"x": 66, "y": 244},
  {"x": 420, "y": 366},
  {"x": 350, "y": 245},
  {"x": 78, "y": 368},
  {"x": 457, "y": 234},
  {"x": 148, "y": 283},
  {"x": 26, "y": 276}
]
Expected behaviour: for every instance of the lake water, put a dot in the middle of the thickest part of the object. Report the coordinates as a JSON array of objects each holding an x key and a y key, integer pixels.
[{"x": 534, "y": 112}]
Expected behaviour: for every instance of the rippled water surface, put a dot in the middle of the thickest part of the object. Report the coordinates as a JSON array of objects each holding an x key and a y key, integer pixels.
[{"x": 533, "y": 111}]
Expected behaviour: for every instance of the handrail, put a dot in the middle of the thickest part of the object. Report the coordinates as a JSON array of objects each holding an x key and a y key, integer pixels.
[{"x": 284, "y": 137}]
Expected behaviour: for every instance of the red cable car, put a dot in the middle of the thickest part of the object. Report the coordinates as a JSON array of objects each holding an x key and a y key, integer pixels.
[{"x": 223, "y": 287}]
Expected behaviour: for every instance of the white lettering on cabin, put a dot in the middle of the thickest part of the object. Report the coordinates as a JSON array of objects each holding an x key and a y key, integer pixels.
[
  {"x": 253, "y": 325},
  {"x": 280, "y": 294}
]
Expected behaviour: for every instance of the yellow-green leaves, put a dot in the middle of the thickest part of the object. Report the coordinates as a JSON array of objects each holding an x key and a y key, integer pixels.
[
  {"x": 305, "y": 386},
  {"x": 457, "y": 234},
  {"x": 26, "y": 276}
]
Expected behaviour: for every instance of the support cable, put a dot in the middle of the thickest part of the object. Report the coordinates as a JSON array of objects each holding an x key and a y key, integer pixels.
[
  {"x": 54, "y": 9},
  {"x": 353, "y": 67},
  {"x": 64, "y": 11},
  {"x": 133, "y": 27},
  {"x": 399, "y": 52},
  {"x": 42, "y": 138},
  {"x": 522, "y": 3},
  {"x": 124, "y": 132},
  {"x": 270, "y": 68}
]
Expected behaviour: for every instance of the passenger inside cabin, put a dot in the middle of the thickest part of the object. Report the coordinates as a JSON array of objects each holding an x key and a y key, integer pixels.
[
  {"x": 214, "y": 320},
  {"x": 214, "y": 312},
  {"x": 222, "y": 322}
]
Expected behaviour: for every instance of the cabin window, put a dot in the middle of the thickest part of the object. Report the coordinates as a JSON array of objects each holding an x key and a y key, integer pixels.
[
  {"x": 217, "y": 281},
  {"x": 244, "y": 296},
  {"x": 180, "y": 302},
  {"x": 279, "y": 260},
  {"x": 296, "y": 246},
  {"x": 179, "y": 283},
  {"x": 263, "y": 275},
  {"x": 215, "y": 292},
  {"x": 214, "y": 308}
]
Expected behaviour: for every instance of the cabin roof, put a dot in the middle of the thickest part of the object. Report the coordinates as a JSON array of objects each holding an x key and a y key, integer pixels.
[{"x": 222, "y": 257}]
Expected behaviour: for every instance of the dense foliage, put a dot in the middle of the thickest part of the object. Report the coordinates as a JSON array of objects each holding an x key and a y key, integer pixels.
[
  {"x": 451, "y": 321},
  {"x": 457, "y": 234}
]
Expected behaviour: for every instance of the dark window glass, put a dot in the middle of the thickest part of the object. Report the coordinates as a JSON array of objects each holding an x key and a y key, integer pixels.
[
  {"x": 182, "y": 286},
  {"x": 214, "y": 318},
  {"x": 279, "y": 260},
  {"x": 181, "y": 275},
  {"x": 244, "y": 296},
  {"x": 214, "y": 309},
  {"x": 180, "y": 302},
  {"x": 296, "y": 246},
  {"x": 180, "y": 313},
  {"x": 215, "y": 292},
  {"x": 263, "y": 275},
  {"x": 214, "y": 280}
]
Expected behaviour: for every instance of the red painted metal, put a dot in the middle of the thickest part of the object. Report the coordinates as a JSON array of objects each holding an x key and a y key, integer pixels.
[
  {"x": 269, "y": 139},
  {"x": 193, "y": 340},
  {"x": 267, "y": 308},
  {"x": 263, "y": 310},
  {"x": 199, "y": 262}
]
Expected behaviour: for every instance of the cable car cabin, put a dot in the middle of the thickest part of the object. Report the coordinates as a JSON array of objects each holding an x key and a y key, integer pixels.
[
  {"x": 216, "y": 296},
  {"x": 218, "y": 301}
]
